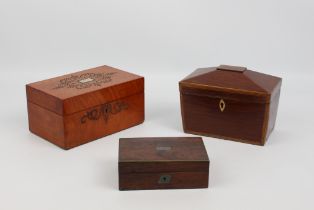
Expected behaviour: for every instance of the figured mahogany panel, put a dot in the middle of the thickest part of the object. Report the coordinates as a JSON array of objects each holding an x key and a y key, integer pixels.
[
  {"x": 103, "y": 120},
  {"x": 177, "y": 180},
  {"x": 242, "y": 121},
  {"x": 46, "y": 124}
]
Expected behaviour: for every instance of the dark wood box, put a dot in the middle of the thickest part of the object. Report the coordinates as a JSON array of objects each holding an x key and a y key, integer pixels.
[
  {"x": 77, "y": 108},
  {"x": 230, "y": 102},
  {"x": 162, "y": 163}
]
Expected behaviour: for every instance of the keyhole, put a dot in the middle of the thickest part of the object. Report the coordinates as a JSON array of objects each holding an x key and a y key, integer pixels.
[
  {"x": 222, "y": 105},
  {"x": 164, "y": 179}
]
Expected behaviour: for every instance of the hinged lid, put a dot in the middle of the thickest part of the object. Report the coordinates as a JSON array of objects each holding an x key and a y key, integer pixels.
[
  {"x": 84, "y": 89},
  {"x": 163, "y": 154},
  {"x": 231, "y": 81}
]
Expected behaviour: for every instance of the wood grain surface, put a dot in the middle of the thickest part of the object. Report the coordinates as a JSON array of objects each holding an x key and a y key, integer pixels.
[
  {"x": 80, "y": 107},
  {"x": 144, "y": 161},
  {"x": 250, "y": 101}
]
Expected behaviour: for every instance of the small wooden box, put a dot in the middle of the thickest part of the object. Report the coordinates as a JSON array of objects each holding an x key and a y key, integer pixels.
[
  {"x": 77, "y": 108},
  {"x": 162, "y": 163},
  {"x": 230, "y": 102}
]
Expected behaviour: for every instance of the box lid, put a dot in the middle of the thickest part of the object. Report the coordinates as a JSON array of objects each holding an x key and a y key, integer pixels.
[
  {"x": 84, "y": 89},
  {"x": 162, "y": 154},
  {"x": 231, "y": 80}
]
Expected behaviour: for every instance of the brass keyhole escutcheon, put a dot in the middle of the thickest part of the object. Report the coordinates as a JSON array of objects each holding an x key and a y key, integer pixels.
[{"x": 222, "y": 105}]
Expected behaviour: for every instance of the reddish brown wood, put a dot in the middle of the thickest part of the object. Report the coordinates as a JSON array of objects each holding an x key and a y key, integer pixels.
[
  {"x": 46, "y": 124},
  {"x": 77, "y": 108},
  {"x": 144, "y": 162},
  {"x": 250, "y": 103}
]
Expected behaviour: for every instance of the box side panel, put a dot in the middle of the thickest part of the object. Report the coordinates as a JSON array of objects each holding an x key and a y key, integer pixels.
[
  {"x": 174, "y": 180},
  {"x": 163, "y": 175},
  {"x": 273, "y": 108},
  {"x": 265, "y": 124},
  {"x": 105, "y": 119},
  {"x": 223, "y": 118},
  {"x": 182, "y": 112},
  {"x": 46, "y": 124}
]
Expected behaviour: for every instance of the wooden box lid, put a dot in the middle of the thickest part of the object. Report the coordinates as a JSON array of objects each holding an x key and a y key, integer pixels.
[
  {"x": 232, "y": 80},
  {"x": 161, "y": 154},
  {"x": 84, "y": 89}
]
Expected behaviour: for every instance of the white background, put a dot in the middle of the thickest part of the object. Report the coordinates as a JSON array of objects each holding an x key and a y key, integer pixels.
[{"x": 164, "y": 41}]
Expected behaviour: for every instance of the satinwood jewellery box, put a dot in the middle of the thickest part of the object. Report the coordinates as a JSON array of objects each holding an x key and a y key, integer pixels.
[
  {"x": 230, "y": 102},
  {"x": 162, "y": 163},
  {"x": 77, "y": 108}
]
